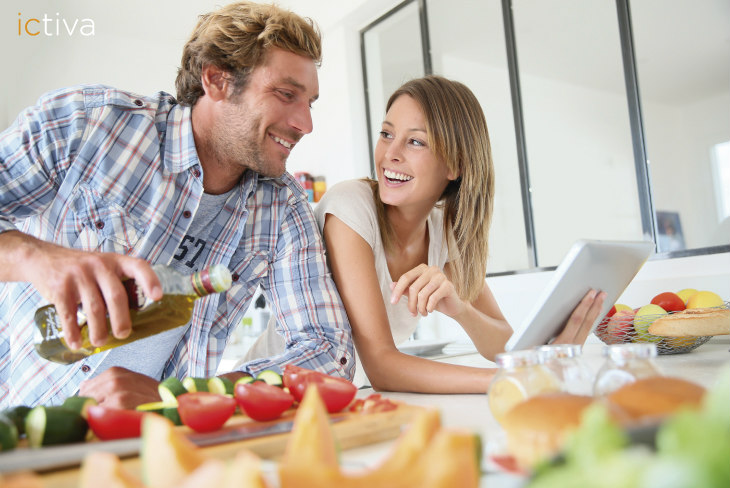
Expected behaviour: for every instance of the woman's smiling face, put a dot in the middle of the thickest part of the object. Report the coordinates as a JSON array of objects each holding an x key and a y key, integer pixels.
[{"x": 408, "y": 170}]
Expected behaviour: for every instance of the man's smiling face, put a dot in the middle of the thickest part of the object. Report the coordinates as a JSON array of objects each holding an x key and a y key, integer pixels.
[{"x": 260, "y": 126}]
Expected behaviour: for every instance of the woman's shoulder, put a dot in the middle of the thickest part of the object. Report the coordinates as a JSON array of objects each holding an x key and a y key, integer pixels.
[
  {"x": 352, "y": 202},
  {"x": 349, "y": 195}
]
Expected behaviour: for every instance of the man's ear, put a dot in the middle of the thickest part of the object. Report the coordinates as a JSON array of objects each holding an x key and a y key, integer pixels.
[{"x": 215, "y": 82}]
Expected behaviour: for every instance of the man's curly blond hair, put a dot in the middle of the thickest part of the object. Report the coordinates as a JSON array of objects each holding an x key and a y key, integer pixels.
[{"x": 236, "y": 38}]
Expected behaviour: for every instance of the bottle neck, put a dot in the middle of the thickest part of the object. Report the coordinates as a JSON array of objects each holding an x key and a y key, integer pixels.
[{"x": 215, "y": 279}]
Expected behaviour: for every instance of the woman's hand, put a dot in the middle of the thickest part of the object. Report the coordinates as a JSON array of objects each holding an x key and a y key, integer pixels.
[
  {"x": 579, "y": 324},
  {"x": 427, "y": 289}
]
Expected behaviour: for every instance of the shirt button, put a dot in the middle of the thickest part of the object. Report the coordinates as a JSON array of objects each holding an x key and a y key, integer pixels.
[
  {"x": 343, "y": 361},
  {"x": 99, "y": 225},
  {"x": 196, "y": 173},
  {"x": 85, "y": 368},
  {"x": 138, "y": 102},
  {"x": 235, "y": 276},
  {"x": 187, "y": 214}
]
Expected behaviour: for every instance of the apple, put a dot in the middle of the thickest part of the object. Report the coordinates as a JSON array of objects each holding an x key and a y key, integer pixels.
[
  {"x": 686, "y": 293},
  {"x": 705, "y": 299},
  {"x": 619, "y": 328},
  {"x": 602, "y": 328},
  {"x": 644, "y": 318},
  {"x": 670, "y": 302}
]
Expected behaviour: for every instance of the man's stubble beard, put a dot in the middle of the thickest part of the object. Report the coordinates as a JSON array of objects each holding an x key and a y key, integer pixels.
[{"x": 237, "y": 145}]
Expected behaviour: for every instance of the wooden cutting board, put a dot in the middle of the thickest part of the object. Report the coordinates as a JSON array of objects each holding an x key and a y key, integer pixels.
[{"x": 352, "y": 430}]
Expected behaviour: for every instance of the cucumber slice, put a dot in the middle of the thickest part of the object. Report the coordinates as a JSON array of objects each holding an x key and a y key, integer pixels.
[
  {"x": 195, "y": 384},
  {"x": 17, "y": 416},
  {"x": 79, "y": 404},
  {"x": 220, "y": 385},
  {"x": 46, "y": 426},
  {"x": 243, "y": 380},
  {"x": 173, "y": 414},
  {"x": 153, "y": 407},
  {"x": 167, "y": 410},
  {"x": 170, "y": 389},
  {"x": 271, "y": 377},
  {"x": 8, "y": 433}
]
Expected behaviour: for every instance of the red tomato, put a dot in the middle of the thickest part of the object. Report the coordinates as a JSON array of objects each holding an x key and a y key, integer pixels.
[
  {"x": 336, "y": 393},
  {"x": 114, "y": 423},
  {"x": 669, "y": 301},
  {"x": 203, "y": 411},
  {"x": 261, "y": 401},
  {"x": 373, "y": 403}
]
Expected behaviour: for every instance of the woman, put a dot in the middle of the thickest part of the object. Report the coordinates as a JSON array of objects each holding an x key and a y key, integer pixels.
[{"x": 416, "y": 241}]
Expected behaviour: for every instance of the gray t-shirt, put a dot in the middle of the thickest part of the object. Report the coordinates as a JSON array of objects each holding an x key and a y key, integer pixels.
[{"x": 149, "y": 356}]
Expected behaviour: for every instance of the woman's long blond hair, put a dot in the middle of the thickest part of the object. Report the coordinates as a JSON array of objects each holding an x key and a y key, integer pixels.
[
  {"x": 458, "y": 136},
  {"x": 236, "y": 38}
]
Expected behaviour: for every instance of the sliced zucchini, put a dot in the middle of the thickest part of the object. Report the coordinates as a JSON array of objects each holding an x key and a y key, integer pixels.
[
  {"x": 195, "y": 384},
  {"x": 8, "y": 433},
  {"x": 220, "y": 385},
  {"x": 271, "y": 377},
  {"x": 79, "y": 404},
  {"x": 170, "y": 389},
  {"x": 46, "y": 426},
  {"x": 17, "y": 416}
]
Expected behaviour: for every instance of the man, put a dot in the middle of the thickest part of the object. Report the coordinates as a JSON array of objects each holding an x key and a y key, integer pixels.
[{"x": 96, "y": 184}]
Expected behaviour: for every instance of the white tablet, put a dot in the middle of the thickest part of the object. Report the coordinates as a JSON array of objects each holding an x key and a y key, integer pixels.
[{"x": 600, "y": 265}]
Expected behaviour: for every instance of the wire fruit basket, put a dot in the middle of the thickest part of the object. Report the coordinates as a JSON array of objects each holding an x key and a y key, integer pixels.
[{"x": 619, "y": 329}]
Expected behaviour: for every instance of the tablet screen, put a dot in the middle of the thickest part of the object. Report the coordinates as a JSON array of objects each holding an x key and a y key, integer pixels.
[{"x": 601, "y": 265}]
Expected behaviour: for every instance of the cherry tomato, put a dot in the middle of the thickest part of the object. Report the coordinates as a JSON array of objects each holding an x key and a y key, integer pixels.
[
  {"x": 336, "y": 393},
  {"x": 203, "y": 411},
  {"x": 261, "y": 401},
  {"x": 671, "y": 302},
  {"x": 114, "y": 423},
  {"x": 373, "y": 403}
]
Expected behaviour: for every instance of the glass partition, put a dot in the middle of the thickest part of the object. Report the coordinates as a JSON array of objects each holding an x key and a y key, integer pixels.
[
  {"x": 480, "y": 62},
  {"x": 683, "y": 67},
  {"x": 577, "y": 128},
  {"x": 392, "y": 54},
  {"x": 608, "y": 120}
]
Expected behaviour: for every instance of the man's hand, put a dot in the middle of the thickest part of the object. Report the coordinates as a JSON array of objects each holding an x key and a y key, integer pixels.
[
  {"x": 121, "y": 388},
  {"x": 69, "y": 277}
]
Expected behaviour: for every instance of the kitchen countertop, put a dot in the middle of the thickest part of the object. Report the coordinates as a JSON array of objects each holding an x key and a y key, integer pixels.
[
  {"x": 702, "y": 366},
  {"x": 471, "y": 412}
]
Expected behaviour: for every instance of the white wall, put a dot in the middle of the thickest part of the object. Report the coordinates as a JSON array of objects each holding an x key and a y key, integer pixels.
[{"x": 137, "y": 46}]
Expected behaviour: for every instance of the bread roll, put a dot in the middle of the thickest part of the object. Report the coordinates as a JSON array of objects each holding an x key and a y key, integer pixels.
[
  {"x": 693, "y": 322},
  {"x": 655, "y": 397},
  {"x": 537, "y": 427}
]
